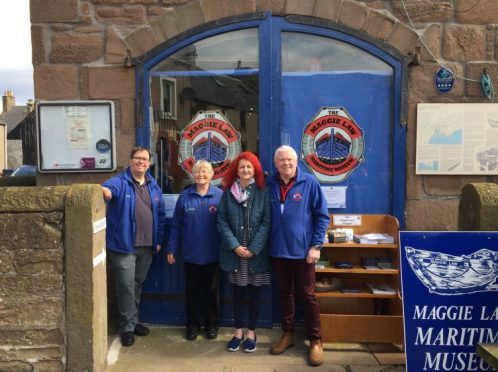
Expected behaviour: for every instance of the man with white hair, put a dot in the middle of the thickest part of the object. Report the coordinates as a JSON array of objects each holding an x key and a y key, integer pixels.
[{"x": 299, "y": 222}]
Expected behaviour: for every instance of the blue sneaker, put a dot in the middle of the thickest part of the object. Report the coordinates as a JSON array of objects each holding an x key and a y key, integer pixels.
[
  {"x": 250, "y": 345},
  {"x": 234, "y": 343}
]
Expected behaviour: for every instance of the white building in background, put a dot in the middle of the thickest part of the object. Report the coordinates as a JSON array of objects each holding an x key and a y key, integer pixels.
[{"x": 12, "y": 116}]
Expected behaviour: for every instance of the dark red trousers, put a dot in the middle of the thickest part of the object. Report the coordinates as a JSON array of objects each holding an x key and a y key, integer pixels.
[{"x": 297, "y": 276}]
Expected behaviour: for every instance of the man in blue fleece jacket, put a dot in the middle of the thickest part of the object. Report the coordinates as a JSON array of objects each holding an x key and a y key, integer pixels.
[
  {"x": 135, "y": 229},
  {"x": 299, "y": 222}
]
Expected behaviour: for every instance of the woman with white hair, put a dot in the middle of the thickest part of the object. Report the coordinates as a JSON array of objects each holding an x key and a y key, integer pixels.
[{"x": 194, "y": 231}]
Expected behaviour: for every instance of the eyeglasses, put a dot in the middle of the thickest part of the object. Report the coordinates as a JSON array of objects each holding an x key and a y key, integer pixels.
[{"x": 143, "y": 160}]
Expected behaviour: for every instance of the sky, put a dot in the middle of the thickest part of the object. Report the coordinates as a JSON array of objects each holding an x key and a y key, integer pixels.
[{"x": 16, "y": 70}]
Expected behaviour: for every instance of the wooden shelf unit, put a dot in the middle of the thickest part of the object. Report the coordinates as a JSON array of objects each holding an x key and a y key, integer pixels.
[{"x": 363, "y": 316}]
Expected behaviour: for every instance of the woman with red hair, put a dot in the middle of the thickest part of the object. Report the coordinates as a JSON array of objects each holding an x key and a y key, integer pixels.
[{"x": 244, "y": 219}]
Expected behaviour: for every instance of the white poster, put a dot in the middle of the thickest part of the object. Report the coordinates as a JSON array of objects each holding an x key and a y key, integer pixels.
[
  {"x": 457, "y": 138},
  {"x": 78, "y": 131}
]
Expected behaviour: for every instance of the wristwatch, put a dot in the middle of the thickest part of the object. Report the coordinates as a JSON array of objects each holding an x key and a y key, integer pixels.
[{"x": 316, "y": 247}]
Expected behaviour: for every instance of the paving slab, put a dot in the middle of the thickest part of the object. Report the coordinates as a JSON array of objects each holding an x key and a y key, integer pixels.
[{"x": 165, "y": 349}]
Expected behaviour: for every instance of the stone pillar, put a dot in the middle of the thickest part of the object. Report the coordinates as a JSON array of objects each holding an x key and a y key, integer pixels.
[
  {"x": 86, "y": 292},
  {"x": 478, "y": 209}
]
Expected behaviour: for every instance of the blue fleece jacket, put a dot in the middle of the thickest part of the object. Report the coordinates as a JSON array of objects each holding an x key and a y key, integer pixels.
[
  {"x": 194, "y": 227},
  {"x": 120, "y": 232},
  {"x": 303, "y": 221}
]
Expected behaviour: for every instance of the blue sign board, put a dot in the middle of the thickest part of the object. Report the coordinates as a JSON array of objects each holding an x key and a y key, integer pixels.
[
  {"x": 450, "y": 298},
  {"x": 443, "y": 80}
]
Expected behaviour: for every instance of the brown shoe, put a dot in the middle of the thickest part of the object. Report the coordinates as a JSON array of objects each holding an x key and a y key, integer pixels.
[
  {"x": 316, "y": 353},
  {"x": 286, "y": 341}
]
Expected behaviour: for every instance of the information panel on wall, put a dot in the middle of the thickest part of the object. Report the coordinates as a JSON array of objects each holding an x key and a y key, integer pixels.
[
  {"x": 75, "y": 136},
  {"x": 457, "y": 138}
]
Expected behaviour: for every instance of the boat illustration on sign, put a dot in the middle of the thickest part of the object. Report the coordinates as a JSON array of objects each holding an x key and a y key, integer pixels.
[
  {"x": 493, "y": 123},
  {"x": 210, "y": 148},
  {"x": 332, "y": 147},
  {"x": 209, "y": 136},
  {"x": 446, "y": 274}
]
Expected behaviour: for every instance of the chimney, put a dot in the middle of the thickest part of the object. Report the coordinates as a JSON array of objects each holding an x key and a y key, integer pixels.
[
  {"x": 8, "y": 100},
  {"x": 30, "y": 105}
]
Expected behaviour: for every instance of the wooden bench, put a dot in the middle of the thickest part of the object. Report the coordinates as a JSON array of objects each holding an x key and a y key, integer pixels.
[{"x": 489, "y": 353}]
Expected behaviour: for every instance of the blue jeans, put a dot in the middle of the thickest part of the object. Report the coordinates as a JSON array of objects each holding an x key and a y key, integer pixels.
[{"x": 130, "y": 270}]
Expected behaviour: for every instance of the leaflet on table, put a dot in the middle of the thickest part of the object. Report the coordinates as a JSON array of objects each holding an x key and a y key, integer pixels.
[
  {"x": 381, "y": 238},
  {"x": 373, "y": 238},
  {"x": 362, "y": 240}
]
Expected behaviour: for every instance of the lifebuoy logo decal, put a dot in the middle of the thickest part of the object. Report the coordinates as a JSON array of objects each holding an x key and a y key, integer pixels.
[
  {"x": 332, "y": 145},
  {"x": 209, "y": 136}
]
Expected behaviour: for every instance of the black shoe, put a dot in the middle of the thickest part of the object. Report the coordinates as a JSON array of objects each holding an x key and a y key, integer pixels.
[
  {"x": 127, "y": 339},
  {"x": 141, "y": 330},
  {"x": 211, "y": 332},
  {"x": 192, "y": 333}
]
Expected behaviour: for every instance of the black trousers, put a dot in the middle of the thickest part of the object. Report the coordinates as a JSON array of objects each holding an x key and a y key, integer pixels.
[
  {"x": 239, "y": 304},
  {"x": 202, "y": 284}
]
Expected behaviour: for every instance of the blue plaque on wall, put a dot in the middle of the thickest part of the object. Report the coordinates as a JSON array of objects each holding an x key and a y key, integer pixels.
[
  {"x": 443, "y": 80},
  {"x": 450, "y": 298}
]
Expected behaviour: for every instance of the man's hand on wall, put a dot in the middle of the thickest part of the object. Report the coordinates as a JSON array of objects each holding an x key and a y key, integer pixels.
[{"x": 106, "y": 193}]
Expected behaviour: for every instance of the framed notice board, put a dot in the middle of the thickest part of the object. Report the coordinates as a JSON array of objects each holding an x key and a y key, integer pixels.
[
  {"x": 457, "y": 138},
  {"x": 75, "y": 136}
]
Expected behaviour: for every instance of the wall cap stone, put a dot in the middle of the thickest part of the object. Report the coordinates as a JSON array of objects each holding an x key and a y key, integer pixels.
[{"x": 35, "y": 199}]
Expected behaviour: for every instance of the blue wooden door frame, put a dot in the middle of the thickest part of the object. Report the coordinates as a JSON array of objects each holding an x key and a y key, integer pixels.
[{"x": 270, "y": 29}]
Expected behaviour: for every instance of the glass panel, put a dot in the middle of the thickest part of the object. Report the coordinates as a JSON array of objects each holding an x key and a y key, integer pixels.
[
  {"x": 320, "y": 73},
  {"x": 304, "y": 52},
  {"x": 218, "y": 73}
]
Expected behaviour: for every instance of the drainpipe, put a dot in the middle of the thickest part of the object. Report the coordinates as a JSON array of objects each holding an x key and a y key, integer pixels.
[{"x": 4, "y": 140}]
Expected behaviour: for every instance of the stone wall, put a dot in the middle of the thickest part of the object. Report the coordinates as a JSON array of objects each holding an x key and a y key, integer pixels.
[
  {"x": 82, "y": 50},
  {"x": 42, "y": 232}
]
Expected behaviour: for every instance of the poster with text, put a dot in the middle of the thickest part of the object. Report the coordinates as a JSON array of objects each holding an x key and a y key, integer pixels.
[
  {"x": 450, "y": 298},
  {"x": 457, "y": 138}
]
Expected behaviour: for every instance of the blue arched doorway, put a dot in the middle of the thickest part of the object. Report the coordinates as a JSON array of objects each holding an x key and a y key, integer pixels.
[{"x": 271, "y": 78}]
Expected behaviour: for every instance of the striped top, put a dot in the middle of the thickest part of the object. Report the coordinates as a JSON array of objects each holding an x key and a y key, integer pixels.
[{"x": 242, "y": 277}]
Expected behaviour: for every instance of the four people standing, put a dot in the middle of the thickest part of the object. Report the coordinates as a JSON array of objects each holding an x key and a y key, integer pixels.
[
  {"x": 194, "y": 231},
  {"x": 244, "y": 225},
  {"x": 292, "y": 213}
]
